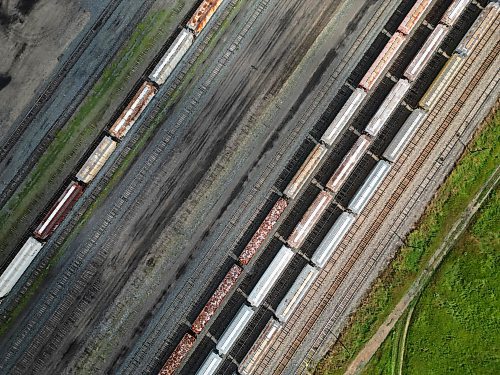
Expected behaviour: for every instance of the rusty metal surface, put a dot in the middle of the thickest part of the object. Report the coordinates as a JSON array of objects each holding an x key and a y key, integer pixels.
[
  {"x": 263, "y": 231},
  {"x": 216, "y": 299},
  {"x": 203, "y": 14},
  {"x": 175, "y": 359},
  {"x": 413, "y": 17}
]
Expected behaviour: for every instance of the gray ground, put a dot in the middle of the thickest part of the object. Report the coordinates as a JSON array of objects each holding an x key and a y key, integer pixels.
[{"x": 140, "y": 209}]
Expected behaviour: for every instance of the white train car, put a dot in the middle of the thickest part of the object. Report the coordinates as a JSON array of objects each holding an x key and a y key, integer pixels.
[
  {"x": 486, "y": 19},
  {"x": 369, "y": 187},
  {"x": 234, "y": 329},
  {"x": 389, "y": 105},
  {"x": 441, "y": 82},
  {"x": 404, "y": 135},
  {"x": 172, "y": 57},
  {"x": 260, "y": 347},
  {"x": 310, "y": 219},
  {"x": 348, "y": 164},
  {"x": 341, "y": 120},
  {"x": 18, "y": 266},
  {"x": 306, "y": 171},
  {"x": 425, "y": 53},
  {"x": 332, "y": 239},
  {"x": 414, "y": 16},
  {"x": 270, "y": 276},
  {"x": 296, "y": 293},
  {"x": 96, "y": 160},
  {"x": 210, "y": 365},
  {"x": 454, "y": 11}
]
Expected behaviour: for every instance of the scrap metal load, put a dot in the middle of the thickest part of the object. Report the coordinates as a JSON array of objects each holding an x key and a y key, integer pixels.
[
  {"x": 172, "y": 57},
  {"x": 134, "y": 109},
  {"x": 18, "y": 266},
  {"x": 215, "y": 301},
  {"x": 178, "y": 354},
  {"x": 202, "y": 15},
  {"x": 97, "y": 160},
  {"x": 58, "y": 211}
]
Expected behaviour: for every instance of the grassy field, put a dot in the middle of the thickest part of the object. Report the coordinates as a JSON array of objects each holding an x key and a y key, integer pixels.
[
  {"x": 454, "y": 327},
  {"x": 472, "y": 171},
  {"x": 71, "y": 141}
]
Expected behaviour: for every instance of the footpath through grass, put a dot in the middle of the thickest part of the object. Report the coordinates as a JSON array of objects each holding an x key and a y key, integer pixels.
[
  {"x": 471, "y": 172},
  {"x": 454, "y": 327}
]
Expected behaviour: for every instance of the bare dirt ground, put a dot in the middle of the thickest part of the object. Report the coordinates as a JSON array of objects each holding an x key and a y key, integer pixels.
[
  {"x": 33, "y": 34},
  {"x": 134, "y": 225}
]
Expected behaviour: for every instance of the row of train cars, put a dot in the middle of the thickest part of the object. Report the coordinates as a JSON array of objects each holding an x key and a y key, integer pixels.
[
  {"x": 108, "y": 144},
  {"x": 345, "y": 221}
]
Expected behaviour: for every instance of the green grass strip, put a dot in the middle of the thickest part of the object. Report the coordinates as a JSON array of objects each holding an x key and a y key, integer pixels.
[{"x": 470, "y": 174}]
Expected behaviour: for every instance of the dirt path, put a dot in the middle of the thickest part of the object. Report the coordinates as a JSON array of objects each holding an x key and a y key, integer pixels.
[{"x": 461, "y": 224}]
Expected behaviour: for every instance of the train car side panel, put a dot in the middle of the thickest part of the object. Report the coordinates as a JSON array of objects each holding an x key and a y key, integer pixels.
[
  {"x": 454, "y": 11},
  {"x": 414, "y": 16},
  {"x": 202, "y": 15},
  {"x": 96, "y": 160},
  {"x": 210, "y": 365},
  {"x": 180, "y": 351},
  {"x": 235, "y": 329}
]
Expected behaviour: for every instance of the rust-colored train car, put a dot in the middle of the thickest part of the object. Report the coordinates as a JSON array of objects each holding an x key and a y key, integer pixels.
[
  {"x": 58, "y": 211},
  {"x": 216, "y": 299},
  {"x": 134, "y": 109},
  {"x": 180, "y": 351},
  {"x": 265, "y": 228},
  {"x": 413, "y": 17},
  {"x": 202, "y": 15}
]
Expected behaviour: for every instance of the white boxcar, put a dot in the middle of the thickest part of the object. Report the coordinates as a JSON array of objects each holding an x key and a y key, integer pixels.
[
  {"x": 454, "y": 11},
  {"x": 369, "y": 187},
  {"x": 259, "y": 348},
  {"x": 210, "y": 365},
  {"x": 332, "y": 239},
  {"x": 348, "y": 163},
  {"x": 296, "y": 293},
  {"x": 404, "y": 135},
  {"x": 425, "y": 53},
  {"x": 171, "y": 58},
  {"x": 309, "y": 219},
  {"x": 306, "y": 170},
  {"x": 18, "y": 266},
  {"x": 346, "y": 113},
  {"x": 234, "y": 329},
  {"x": 389, "y": 105},
  {"x": 485, "y": 20},
  {"x": 96, "y": 160},
  {"x": 441, "y": 82},
  {"x": 270, "y": 276}
]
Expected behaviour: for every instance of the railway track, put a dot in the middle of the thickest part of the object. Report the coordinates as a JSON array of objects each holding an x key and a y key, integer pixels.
[{"x": 368, "y": 237}]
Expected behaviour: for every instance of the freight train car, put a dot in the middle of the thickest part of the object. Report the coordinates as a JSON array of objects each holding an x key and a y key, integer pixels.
[
  {"x": 18, "y": 266},
  {"x": 348, "y": 164},
  {"x": 172, "y": 57},
  {"x": 486, "y": 19},
  {"x": 306, "y": 171},
  {"x": 133, "y": 110},
  {"x": 260, "y": 347},
  {"x": 216, "y": 299},
  {"x": 442, "y": 81},
  {"x": 414, "y": 16},
  {"x": 202, "y": 15},
  {"x": 210, "y": 365},
  {"x": 389, "y": 105},
  {"x": 341, "y": 120},
  {"x": 384, "y": 59},
  {"x": 296, "y": 293},
  {"x": 332, "y": 239},
  {"x": 234, "y": 329},
  {"x": 310, "y": 219},
  {"x": 404, "y": 135},
  {"x": 453, "y": 12},
  {"x": 369, "y": 187},
  {"x": 425, "y": 53},
  {"x": 58, "y": 211},
  {"x": 179, "y": 353},
  {"x": 264, "y": 230},
  {"x": 270, "y": 276},
  {"x": 96, "y": 160}
]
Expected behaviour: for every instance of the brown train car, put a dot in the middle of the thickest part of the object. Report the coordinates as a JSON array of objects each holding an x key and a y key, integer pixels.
[
  {"x": 58, "y": 211},
  {"x": 202, "y": 15},
  {"x": 180, "y": 351}
]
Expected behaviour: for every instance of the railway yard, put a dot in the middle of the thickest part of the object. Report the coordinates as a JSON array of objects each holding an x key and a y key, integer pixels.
[{"x": 237, "y": 197}]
